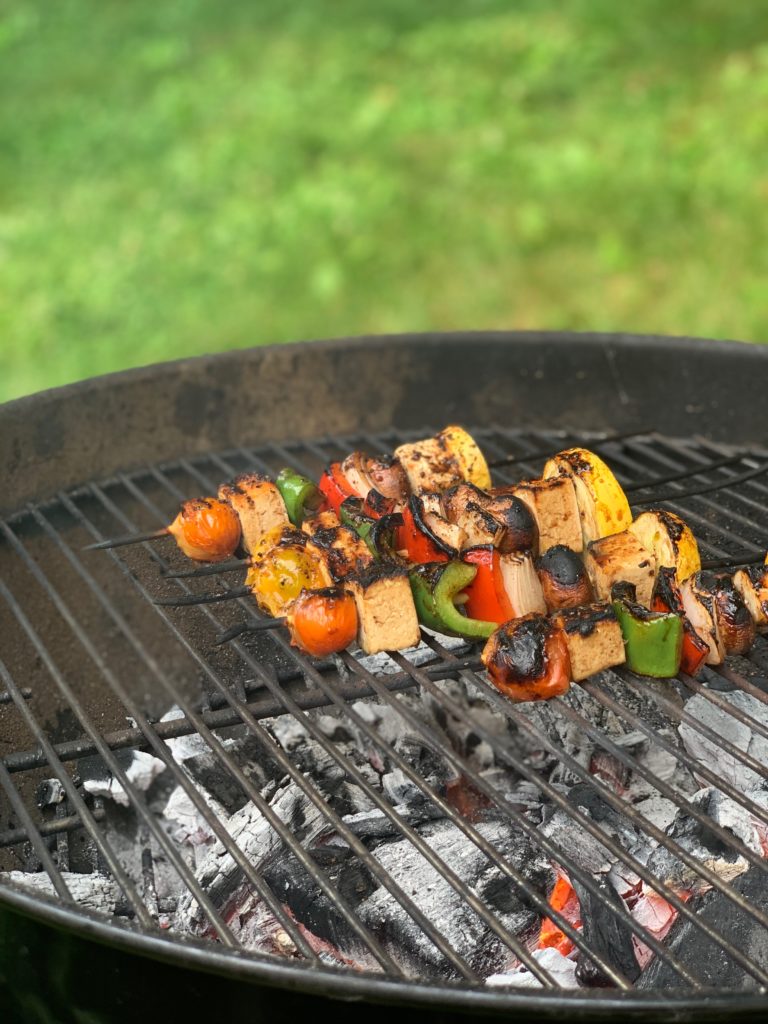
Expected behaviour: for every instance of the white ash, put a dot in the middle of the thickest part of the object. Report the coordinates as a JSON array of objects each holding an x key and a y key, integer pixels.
[
  {"x": 740, "y": 735},
  {"x": 183, "y": 747},
  {"x": 382, "y": 664},
  {"x": 94, "y": 891},
  {"x": 219, "y": 874},
  {"x": 702, "y": 844},
  {"x": 141, "y": 772},
  {"x": 185, "y": 822},
  {"x": 558, "y": 966},
  {"x": 447, "y": 911}
]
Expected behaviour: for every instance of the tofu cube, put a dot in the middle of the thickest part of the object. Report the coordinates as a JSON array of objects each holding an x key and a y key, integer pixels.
[
  {"x": 259, "y": 506},
  {"x": 594, "y": 639},
  {"x": 387, "y": 619},
  {"x": 553, "y": 505},
  {"x": 621, "y": 557}
]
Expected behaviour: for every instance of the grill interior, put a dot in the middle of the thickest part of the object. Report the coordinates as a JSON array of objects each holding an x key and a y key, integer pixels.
[{"x": 90, "y": 666}]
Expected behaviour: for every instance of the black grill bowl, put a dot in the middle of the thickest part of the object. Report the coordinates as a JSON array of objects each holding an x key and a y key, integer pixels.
[{"x": 63, "y": 964}]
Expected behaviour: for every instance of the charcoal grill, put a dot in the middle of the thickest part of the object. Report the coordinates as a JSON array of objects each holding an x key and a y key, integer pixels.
[{"x": 88, "y": 666}]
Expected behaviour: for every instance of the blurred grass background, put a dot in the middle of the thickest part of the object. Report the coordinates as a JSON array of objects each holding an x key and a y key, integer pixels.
[{"x": 184, "y": 176}]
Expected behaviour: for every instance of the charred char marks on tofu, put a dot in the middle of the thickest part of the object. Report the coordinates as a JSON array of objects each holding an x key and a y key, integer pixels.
[
  {"x": 387, "y": 619},
  {"x": 342, "y": 550},
  {"x": 258, "y": 504},
  {"x": 594, "y": 639}
]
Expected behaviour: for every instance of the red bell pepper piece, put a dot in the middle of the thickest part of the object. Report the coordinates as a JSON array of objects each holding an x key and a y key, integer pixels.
[
  {"x": 416, "y": 543},
  {"x": 486, "y": 597},
  {"x": 335, "y": 487}
]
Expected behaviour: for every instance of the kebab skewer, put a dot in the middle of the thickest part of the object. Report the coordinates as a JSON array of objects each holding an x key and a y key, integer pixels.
[{"x": 591, "y": 481}]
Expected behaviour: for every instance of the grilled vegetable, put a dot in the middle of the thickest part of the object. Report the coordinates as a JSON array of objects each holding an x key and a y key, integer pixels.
[
  {"x": 322, "y": 622},
  {"x": 301, "y": 496},
  {"x": 752, "y": 584},
  {"x": 653, "y": 640},
  {"x": 335, "y": 486},
  {"x": 206, "y": 530},
  {"x": 435, "y": 588},
  {"x": 667, "y": 598},
  {"x": 735, "y": 625},
  {"x": 699, "y": 604},
  {"x": 340, "y": 551},
  {"x": 259, "y": 506},
  {"x": 288, "y": 568},
  {"x": 564, "y": 580},
  {"x": 621, "y": 558},
  {"x": 521, "y": 584},
  {"x": 553, "y": 505},
  {"x": 670, "y": 540},
  {"x": 439, "y": 462},
  {"x": 386, "y": 614},
  {"x": 593, "y": 638},
  {"x": 387, "y": 478},
  {"x": 603, "y": 506},
  {"x": 352, "y": 515},
  {"x": 527, "y": 659},
  {"x": 471, "y": 461},
  {"x": 486, "y": 597},
  {"x": 500, "y": 519}
]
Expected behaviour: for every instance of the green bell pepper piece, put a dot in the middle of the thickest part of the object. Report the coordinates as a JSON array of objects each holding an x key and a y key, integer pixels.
[
  {"x": 653, "y": 640},
  {"x": 351, "y": 514},
  {"x": 434, "y": 586},
  {"x": 300, "y": 495}
]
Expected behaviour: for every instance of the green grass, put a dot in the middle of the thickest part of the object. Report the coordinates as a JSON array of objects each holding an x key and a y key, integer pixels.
[{"x": 183, "y": 176}]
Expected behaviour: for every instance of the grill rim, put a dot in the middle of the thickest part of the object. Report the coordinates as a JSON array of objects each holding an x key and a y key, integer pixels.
[{"x": 324, "y": 982}]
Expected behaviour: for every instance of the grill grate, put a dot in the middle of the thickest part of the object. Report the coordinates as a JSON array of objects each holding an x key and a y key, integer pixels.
[{"x": 88, "y": 650}]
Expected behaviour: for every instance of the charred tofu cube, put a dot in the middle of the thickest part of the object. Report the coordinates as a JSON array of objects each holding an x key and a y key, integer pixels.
[
  {"x": 752, "y": 584},
  {"x": 386, "y": 613},
  {"x": 327, "y": 520},
  {"x": 553, "y": 504},
  {"x": 340, "y": 550},
  {"x": 621, "y": 558},
  {"x": 594, "y": 639},
  {"x": 259, "y": 506},
  {"x": 429, "y": 465}
]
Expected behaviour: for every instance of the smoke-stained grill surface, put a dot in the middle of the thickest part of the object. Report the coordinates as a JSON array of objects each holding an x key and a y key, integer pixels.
[{"x": 388, "y": 827}]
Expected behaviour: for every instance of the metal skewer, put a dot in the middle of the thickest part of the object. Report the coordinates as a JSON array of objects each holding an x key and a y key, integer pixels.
[
  {"x": 129, "y": 538},
  {"x": 248, "y": 627},
  {"x": 187, "y": 599}
]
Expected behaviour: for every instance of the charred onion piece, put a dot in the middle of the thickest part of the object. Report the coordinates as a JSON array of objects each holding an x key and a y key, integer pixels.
[
  {"x": 700, "y": 609},
  {"x": 670, "y": 539},
  {"x": 667, "y": 598},
  {"x": 322, "y": 622},
  {"x": 354, "y": 469},
  {"x": 387, "y": 477},
  {"x": 752, "y": 584},
  {"x": 734, "y": 623},
  {"x": 563, "y": 578},
  {"x": 603, "y": 506},
  {"x": 527, "y": 659},
  {"x": 206, "y": 530},
  {"x": 427, "y": 512}
]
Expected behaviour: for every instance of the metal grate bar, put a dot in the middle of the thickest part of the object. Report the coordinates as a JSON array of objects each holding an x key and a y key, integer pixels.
[
  {"x": 70, "y": 789},
  {"x": 616, "y": 849},
  {"x": 30, "y": 828},
  {"x": 67, "y": 823},
  {"x": 253, "y": 876},
  {"x": 319, "y": 801},
  {"x": 136, "y": 797},
  {"x": 372, "y": 794}
]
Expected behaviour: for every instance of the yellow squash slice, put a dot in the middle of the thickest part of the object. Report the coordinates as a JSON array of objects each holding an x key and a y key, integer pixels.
[
  {"x": 670, "y": 539},
  {"x": 603, "y": 506}
]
